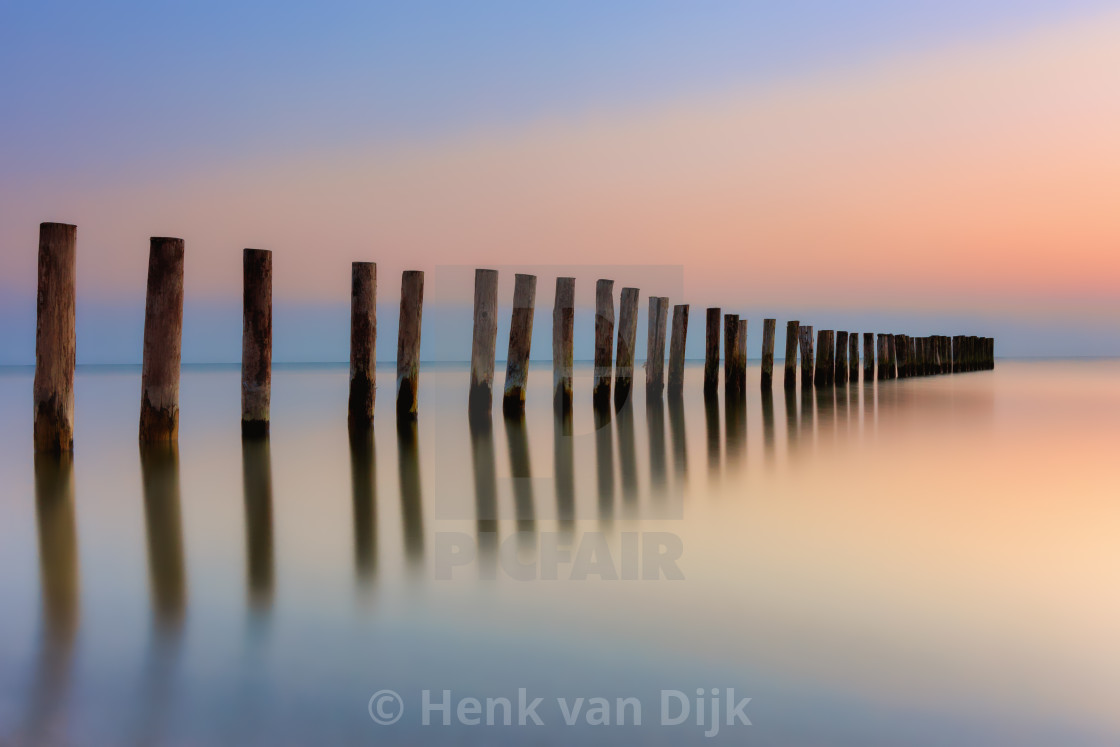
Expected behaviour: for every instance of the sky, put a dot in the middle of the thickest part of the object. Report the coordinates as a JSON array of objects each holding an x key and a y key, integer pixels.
[{"x": 920, "y": 167}]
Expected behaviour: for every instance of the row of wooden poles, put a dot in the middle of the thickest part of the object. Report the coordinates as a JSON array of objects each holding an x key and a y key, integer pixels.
[{"x": 837, "y": 358}]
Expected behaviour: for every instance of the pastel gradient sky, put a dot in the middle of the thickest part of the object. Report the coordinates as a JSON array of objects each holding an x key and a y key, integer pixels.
[{"x": 926, "y": 167}]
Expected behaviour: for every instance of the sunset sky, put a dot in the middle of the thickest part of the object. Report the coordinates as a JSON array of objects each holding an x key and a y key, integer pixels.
[{"x": 920, "y": 167}]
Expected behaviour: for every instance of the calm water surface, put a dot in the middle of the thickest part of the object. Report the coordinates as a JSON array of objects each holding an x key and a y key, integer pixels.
[{"x": 924, "y": 562}]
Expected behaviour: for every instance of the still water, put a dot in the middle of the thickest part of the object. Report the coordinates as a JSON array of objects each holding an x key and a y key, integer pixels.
[{"x": 924, "y": 562}]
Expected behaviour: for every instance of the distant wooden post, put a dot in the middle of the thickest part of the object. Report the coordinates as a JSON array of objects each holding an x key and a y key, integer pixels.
[
  {"x": 483, "y": 343},
  {"x": 520, "y": 342},
  {"x": 805, "y": 337},
  {"x": 767, "y": 374},
  {"x": 841, "y": 367},
  {"x": 792, "y": 331},
  {"x": 604, "y": 338},
  {"x": 853, "y": 357},
  {"x": 163, "y": 339},
  {"x": 563, "y": 327},
  {"x": 55, "y": 340},
  {"x": 824, "y": 372},
  {"x": 711, "y": 352},
  {"x": 741, "y": 359},
  {"x": 655, "y": 346},
  {"x": 363, "y": 344},
  {"x": 676, "y": 350},
  {"x": 730, "y": 354},
  {"x": 256, "y": 342},
  {"x": 627, "y": 339},
  {"x": 882, "y": 356},
  {"x": 868, "y": 356},
  {"x": 408, "y": 343}
]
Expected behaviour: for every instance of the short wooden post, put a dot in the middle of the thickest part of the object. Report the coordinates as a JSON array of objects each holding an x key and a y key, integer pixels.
[
  {"x": 655, "y": 346},
  {"x": 163, "y": 338},
  {"x": 956, "y": 354},
  {"x": 363, "y": 344},
  {"x": 730, "y": 354},
  {"x": 902, "y": 348},
  {"x": 881, "y": 352},
  {"x": 256, "y": 342},
  {"x": 805, "y": 337},
  {"x": 841, "y": 367},
  {"x": 483, "y": 343},
  {"x": 792, "y": 332},
  {"x": 676, "y": 350},
  {"x": 408, "y": 343},
  {"x": 868, "y": 356},
  {"x": 711, "y": 352},
  {"x": 766, "y": 377},
  {"x": 604, "y": 339},
  {"x": 824, "y": 372},
  {"x": 741, "y": 359},
  {"x": 55, "y": 340},
  {"x": 563, "y": 329},
  {"x": 892, "y": 358},
  {"x": 853, "y": 357},
  {"x": 520, "y": 342},
  {"x": 627, "y": 339}
]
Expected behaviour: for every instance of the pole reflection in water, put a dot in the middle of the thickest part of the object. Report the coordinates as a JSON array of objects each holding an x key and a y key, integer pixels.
[
  {"x": 59, "y": 581},
  {"x": 735, "y": 427},
  {"x": 791, "y": 419},
  {"x": 604, "y": 464},
  {"x": 159, "y": 468},
  {"x": 521, "y": 472},
  {"x": 711, "y": 422},
  {"x": 412, "y": 512},
  {"x": 768, "y": 423},
  {"x": 655, "y": 423},
  {"x": 680, "y": 440},
  {"x": 564, "y": 468},
  {"x": 485, "y": 493},
  {"x": 256, "y": 460},
  {"x": 627, "y": 455},
  {"x": 363, "y": 478}
]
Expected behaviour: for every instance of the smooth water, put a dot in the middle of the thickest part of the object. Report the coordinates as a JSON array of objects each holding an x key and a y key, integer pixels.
[{"x": 927, "y": 561}]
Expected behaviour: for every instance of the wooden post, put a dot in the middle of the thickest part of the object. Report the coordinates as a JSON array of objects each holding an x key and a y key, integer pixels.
[
  {"x": 483, "y": 342},
  {"x": 741, "y": 359},
  {"x": 408, "y": 343},
  {"x": 868, "y": 356},
  {"x": 853, "y": 357},
  {"x": 604, "y": 338},
  {"x": 730, "y": 354},
  {"x": 823, "y": 376},
  {"x": 711, "y": 352},
  {"x": 55, "y": 339},
  {"x": 767, "y": 375},
  {"x": 256, "y": 342},
  {"x": 902, "y": 348},
  {"x": 163, "y": 338},
  {"x": 676, "y": 350},
  {"x": 563, "y": 326},
  {"x": 841, "y": 367},
  {"x": 882, "y": 356},
  {"x": 655, "y": 346},
  {"x": 627, "y": 338},
  {"x": 363, "y": 344},
  {"x": 805, "y": 337},
  {"x": 520, "y": 342},
  {"x": 792, "y": 331},
  {"x": 892, "y": 358}
]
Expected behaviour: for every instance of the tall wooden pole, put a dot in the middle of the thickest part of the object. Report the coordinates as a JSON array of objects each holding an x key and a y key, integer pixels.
[
  {"x": 53, "y": 389},
  {"x": 730, "y": 354},
  {"x": 363, "y": 344},
  {"x": 604, "y": 338},
  {"x": 823, "y": 374},
  {"x": 853, "y": 357},
  {"x": 741, "y": 359},
  {"x": 711, "y": 351},
  {"x": 881, "y": 340},
  {"x": 655, "y": 346},
  {"x": 563, "y": 328},
  {"x": 676, "y": 350},
  {"x": 805, "y": 337},
  {"x": 627, "y": 339},
  {"x": 408, "y": 343},
  {"x": 868, "y": 356},
  {"x": 767, "y": 375},
  {"x": 841, "y": 367},
  {"x": 256, "y": 342},
  {"x": 483, "y": 342},
  {"x": 520, "y": 342},
  {"x": 163, "y": 338},
  {"x": 792, "y": 331}
]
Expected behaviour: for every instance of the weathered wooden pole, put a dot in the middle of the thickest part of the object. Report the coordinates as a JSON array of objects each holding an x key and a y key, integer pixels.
[
  {"x": 730, "y": 354},
  {"x": 956, "y": 354},
  {"x": 741, "y": 359},
  {"x": 520, "y": 342},
  {"x": 792, "y": 332},
  {"x": 163, "y": 341},
  {"x": 902, "y": 349},
  {"x": 881, "y": 340},
  {"x": 53, "y": 389},
  {"x": 892, "y": 358},
  {"x": 563, "y": 329},
  {"x": 627, "y": 339},
  {"x": 823, "y": 376},
  {"x": 363, "y": 345},
  {"x": 853, "y": 357},
  {"x": 841, "y": 367},
  {"x": 480, "y": 400},
  {"x": 805, "y": 338},
  {"x": 711, "y": 352},
  {"x": 256, "y": 342},
  {"x": 655, "y": 347},
  {"x": 868, "y": 356},
  {"x": 766, "y": 380},
  {"x": 604, "y": 339},
  {"x": 676, "y": 350},
  {"x": 408, "y": 343}
]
